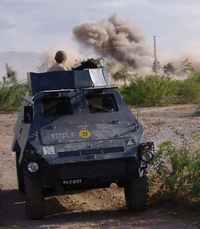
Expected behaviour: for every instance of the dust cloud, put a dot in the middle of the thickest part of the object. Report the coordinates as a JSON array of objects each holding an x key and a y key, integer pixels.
[
  {"x": 117, "y": 40},
  {"x": 120, "y": 41}
]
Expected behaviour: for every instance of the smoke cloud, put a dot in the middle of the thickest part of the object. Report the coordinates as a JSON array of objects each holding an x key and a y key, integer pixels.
[
  {"x": 120, "y": 41},
  {"x": 117, "y": 40}
]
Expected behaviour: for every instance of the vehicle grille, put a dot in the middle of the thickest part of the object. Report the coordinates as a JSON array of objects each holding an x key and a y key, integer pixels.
[
  {"x": 91, "y": 151},
  {"x": 93, "y": 170}
]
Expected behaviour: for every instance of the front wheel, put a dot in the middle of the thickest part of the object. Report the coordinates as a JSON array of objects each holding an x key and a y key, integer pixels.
[
  {"x": 35, "y": 207},
  {"x": 137, "y": 193}
]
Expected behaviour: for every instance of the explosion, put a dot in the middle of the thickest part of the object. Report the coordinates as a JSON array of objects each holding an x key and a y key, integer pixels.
[
  {"x": 120, "y": 41},
  {"x": 117, "y": 40}
]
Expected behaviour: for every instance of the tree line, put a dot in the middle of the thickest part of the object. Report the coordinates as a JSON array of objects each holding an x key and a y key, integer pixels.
[{"x": 151, "y": 90}]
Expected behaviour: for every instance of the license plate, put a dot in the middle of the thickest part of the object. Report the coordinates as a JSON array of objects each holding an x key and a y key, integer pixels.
[{"x": 75, "y": 181}]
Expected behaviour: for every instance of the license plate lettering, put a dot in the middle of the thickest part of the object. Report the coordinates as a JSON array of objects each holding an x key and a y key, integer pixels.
[{"x": 75, "y": 181}]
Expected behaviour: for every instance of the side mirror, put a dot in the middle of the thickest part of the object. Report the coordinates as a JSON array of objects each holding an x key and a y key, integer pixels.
[{"x": 28, "y": 114}]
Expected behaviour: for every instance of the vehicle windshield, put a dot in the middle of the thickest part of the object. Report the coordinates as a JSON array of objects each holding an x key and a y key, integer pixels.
[
  {"x": 56, "y": 106},
  {"x": 102, "y": 103}
]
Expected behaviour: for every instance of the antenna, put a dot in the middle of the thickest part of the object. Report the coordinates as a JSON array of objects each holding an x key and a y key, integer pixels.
[{"x": 155, "y": 58}]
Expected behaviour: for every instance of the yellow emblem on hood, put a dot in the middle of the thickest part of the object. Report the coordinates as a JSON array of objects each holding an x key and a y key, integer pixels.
[{"x": 84, "y": 134}]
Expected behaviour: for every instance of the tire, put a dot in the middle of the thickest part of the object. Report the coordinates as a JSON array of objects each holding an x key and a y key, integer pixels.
[
  {"x": 20, "y": 174},
  {"x": 137, "y": 193},
  {"x": 35, "y": 208}
]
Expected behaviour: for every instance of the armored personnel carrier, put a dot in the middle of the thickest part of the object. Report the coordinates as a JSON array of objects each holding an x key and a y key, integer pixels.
[{"x": 75, "y": 131}]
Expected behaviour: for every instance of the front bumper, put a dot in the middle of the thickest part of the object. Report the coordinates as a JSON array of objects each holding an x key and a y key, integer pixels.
[{"x": 95, "y": 172}]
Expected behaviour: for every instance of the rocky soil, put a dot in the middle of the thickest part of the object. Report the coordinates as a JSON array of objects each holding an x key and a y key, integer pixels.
[{"x": 102, "y": 208}]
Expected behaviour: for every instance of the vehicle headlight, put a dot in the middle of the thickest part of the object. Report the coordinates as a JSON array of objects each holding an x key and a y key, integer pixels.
[
  {"x": 146, "y": 151},
  {"x": 33, "y": 167},
  {"x": 147, "y": 156}
]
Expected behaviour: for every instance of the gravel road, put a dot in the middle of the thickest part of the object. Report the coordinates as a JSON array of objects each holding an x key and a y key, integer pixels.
[{"x": 102, "y": 208}]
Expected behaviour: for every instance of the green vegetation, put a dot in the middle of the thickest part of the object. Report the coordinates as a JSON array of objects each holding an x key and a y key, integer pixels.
[
  {"x": 11, "y": 96},
  {"x": 122, "y": 73},
  {"x": 176, "y": 173},
  {"x": 189, "y": 89},
  {"x": 11, "y": 91},
  {"x": 149, "y": 91},
  {"x": 155, "y": 90}
]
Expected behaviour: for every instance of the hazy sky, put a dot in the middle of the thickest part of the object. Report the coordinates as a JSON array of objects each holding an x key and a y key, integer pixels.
[{"x": 46, "y": 25}]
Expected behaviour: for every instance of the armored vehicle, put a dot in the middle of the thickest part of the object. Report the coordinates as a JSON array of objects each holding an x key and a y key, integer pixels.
[{"x": 75, "y": 131}]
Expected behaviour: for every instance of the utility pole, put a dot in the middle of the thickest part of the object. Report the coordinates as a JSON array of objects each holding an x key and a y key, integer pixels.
[{"x": 155, "y": 58}]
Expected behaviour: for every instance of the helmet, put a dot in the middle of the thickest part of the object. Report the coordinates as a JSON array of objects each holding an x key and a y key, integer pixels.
[{"x": 61, "y": 56}]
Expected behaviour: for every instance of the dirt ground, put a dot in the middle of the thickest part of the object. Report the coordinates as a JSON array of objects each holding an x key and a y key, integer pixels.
[{"x": 102, "y": 208}]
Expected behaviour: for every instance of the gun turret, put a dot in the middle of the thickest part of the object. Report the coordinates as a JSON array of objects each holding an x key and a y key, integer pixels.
[{"x": 89, "y": 63}]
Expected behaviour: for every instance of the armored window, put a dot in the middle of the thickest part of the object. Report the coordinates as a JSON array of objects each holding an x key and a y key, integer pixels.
[
  {"x": 102, "y": 103},
  {"x": 56, "y": 106}
]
